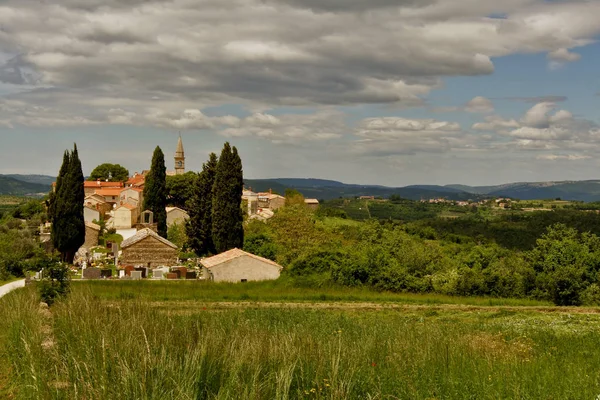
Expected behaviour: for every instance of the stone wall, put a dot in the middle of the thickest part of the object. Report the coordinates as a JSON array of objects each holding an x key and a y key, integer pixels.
[
  {"x": 241, "y": 268},
  {"x": 149, "y": 252},
  {"x": 91, "y": 237}
]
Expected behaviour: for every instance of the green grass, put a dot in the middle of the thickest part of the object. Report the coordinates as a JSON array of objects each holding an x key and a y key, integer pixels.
[
  {"x": 9, "y": 280},
  {"x": 273, "y": 291},
  {"x": 91, "y": 348}
]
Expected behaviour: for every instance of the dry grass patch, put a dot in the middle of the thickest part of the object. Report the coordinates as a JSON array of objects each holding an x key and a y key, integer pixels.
[{"x": 495, "y": 347}]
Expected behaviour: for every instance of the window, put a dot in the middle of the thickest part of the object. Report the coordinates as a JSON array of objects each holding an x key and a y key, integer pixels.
[{"x": 244, "y": 280}]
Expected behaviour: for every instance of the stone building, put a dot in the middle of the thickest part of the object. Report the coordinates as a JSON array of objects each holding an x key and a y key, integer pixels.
[
  {"x": 313, "y": 204},
  {"x": 146, "y": 248},
  {"x": 176, "y": 215},
  {"x": 90, "y": 187},
  {"x": 179, "y": 160},
  {"x": 132, "y": 195},
  {"x": 125, "y": 216},
  {"x": 270, "y": 201},
  {"x": 92, "y": 233},
  {"x": 237, "y": 265}
]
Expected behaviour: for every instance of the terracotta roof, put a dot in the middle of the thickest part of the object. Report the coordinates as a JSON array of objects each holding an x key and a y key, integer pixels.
[
  {"x": 92, "y": 225},
  {"x": 102, "y": 184},
  {"x": 143, "y": 234},
  {"x": 232, "y": 254},
  {"x": 136, "y": 179},
  {"x": 108, "y": 192}
]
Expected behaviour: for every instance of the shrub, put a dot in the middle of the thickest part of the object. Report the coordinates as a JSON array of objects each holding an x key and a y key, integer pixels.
[{"x": 56, "y": 281}]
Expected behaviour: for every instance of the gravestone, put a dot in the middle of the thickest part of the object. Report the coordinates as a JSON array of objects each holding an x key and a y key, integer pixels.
[
  {"x": 172, "y": 275},
  {"x": 143, "y": 271},
  {"x": 122, "y": 273},
  {"x": 136, "y": 275},
  {"x": 181, "y": 271},
  {"x": 190, "y": 275},
  {"x": 91, "y": 273},
  {"x": 106, "y": 273},
  {"x": 157, "y": 274}
]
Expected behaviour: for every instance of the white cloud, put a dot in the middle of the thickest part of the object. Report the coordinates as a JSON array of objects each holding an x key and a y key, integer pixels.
[
  {"x": 558, "y": 58},
  {"x": 480, "y": 104},
  {"x": 560, "y": 157}
]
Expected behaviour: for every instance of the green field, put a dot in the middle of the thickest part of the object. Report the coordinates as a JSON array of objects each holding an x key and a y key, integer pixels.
[{"x": 184, "y": 340}]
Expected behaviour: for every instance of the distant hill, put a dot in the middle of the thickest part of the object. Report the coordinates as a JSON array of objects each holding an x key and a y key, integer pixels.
[
  {"x": 588, "y": 191},
  {"x": 327, "y": 190},
  {"x": 16, "y": 187},
  {"x": 40, "y": 179}
]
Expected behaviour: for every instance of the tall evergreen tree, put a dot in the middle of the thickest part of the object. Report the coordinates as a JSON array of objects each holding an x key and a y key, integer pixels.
[
  {"x": 66, "y": 207},
  {"x": 199, "y": 226},
  {"x": 227, "y": 228},
  {"x": 155, "y": 191}
]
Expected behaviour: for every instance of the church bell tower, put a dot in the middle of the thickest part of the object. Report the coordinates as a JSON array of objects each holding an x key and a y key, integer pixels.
[{"x": 179, "y": 158}]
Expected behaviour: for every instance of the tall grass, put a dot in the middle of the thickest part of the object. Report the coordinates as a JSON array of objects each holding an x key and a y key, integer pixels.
[
  {"x": 274, "y": 291},
  {"x": 129, "y": 350}
]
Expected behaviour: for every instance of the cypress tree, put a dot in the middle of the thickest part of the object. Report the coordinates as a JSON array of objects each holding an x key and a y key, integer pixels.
[
  {"x": 155, "y": 191},
  {"x": 66, "y": 209},
  {"x": 227, "y": 228},
  {"x": 199, "y": 227}
]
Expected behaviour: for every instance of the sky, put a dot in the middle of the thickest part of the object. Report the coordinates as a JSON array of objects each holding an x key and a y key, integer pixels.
[{"x": 388, "y": 92}]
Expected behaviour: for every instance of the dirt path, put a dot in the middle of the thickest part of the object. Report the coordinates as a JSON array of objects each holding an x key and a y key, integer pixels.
[
  {"x": 367, "y": 306},
  {"x": 9, "y": 287}
]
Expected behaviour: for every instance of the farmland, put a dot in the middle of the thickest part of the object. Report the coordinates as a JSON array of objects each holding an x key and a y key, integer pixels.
[{"x": 163, "y": 340}]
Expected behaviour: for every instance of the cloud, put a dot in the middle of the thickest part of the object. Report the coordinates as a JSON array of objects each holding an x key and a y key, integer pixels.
[
  {"x": 196, "y": 53},
  {"x": 539, "y": 116},
  {"x": 558, "y": 58},
  {"x": 562, "y": 157},
  {"x": 480, "y": 104},
  {"x": 540, "y": 99}
]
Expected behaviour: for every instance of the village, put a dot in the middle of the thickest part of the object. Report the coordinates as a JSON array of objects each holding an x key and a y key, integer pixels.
[{"x": 121, "y": 239}]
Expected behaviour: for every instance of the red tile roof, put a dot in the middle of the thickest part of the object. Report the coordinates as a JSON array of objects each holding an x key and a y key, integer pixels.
[
  {"x": 102, "y": 184},
  {"x": 109, "y": 192}
]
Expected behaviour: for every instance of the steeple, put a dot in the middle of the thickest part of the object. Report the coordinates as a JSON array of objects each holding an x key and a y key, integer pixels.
[{"x": 179, "y": 158}]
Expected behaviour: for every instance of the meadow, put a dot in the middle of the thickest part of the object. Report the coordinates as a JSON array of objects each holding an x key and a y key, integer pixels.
[{"x": 177, "y": 340}]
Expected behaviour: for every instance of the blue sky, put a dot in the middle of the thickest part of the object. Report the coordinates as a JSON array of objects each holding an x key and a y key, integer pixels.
[{"x": 385, "y": 92}]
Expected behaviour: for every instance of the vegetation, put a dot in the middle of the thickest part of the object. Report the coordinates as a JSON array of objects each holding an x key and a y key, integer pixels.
[
  {"x": 66, "y": 207},
  {"x": 86, "y": 346},
  {"x": 155, "y": 191},
  {"x": 180, "y": 190},
  {"x": 56, "y": 280},
  {"x": 109, "y": 172},
  {"x": 199, "y": 226},
  {"x": 227, "y": 214}
]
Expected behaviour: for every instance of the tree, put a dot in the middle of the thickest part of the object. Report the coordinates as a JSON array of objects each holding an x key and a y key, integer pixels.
[
  {"x": 228, "y": 216},
  {"x": 180, "y": 189},
  {"x": 66, "y": 208},
  {"x": 110, "y": 172},
  {"x": 155, "y": 191},
  {"x": 199, "y": 226}
]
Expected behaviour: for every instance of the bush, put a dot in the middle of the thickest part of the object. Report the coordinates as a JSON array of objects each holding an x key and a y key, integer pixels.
[{"x": 56, "y": 281}]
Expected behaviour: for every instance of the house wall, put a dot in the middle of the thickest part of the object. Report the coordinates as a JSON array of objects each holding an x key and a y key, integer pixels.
[
  {"x": 91, "y": 237},
  {"x": 90, "y": 215},
  {"x": 176, "y": 216},
  {"x": 123, "y": 218},
  {"x": 149, "y": 252},
  {"x": 276, "y": 203},
  {"x": 243, "y": 267}
]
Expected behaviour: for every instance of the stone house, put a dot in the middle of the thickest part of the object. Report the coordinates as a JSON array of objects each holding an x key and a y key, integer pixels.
[
  {"x": 125, "y": 216},
  {"x": 132, "y": 195},
  {"x": 313, "y": 204},
  {"x": 96, "y": 201},
  {"x": 176, "y": 215},
  {"x": 270, "y": 201},
  {"x": 148, "y": 249},
  {"x": 237, "y": 265},
  {"x": 90, "y": 214},
  {"x": 90, "y": 187},
  {"x": 92, "y": 233},
  {"x": 112, "y": 195}
]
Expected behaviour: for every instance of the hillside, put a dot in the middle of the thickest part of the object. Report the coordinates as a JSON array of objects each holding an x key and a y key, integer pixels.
[{"x": 12, "y": 186}]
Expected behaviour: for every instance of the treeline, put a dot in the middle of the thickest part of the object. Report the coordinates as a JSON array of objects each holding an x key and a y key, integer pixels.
[{"x": 563, "y": 266}]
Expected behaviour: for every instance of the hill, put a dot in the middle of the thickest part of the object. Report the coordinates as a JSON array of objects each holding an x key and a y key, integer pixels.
[
  {"x": 40, "y": 179},
  {"x": 567, "y": 190},
  {"x": 12, "y": 186}
]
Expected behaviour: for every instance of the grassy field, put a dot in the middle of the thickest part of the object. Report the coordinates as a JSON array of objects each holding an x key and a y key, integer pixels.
[{"x": 104, "y": 344}]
